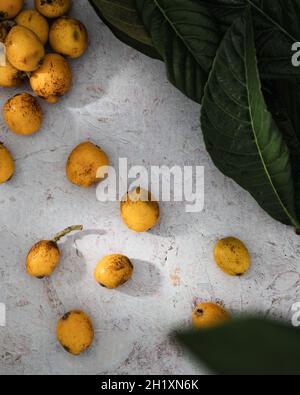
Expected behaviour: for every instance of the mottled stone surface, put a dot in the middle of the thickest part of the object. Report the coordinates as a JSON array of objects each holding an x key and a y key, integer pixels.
[{"x": 122, "y": 101}]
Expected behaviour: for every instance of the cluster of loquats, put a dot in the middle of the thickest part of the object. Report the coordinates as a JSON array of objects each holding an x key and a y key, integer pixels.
[
  {"x": 50, "y": 78},
  {"x": 23, "y": 37},
  {"x": 25, "y": 34},
  {"x": 75, "y": 329},
  {"x": 138, "y": 211}
]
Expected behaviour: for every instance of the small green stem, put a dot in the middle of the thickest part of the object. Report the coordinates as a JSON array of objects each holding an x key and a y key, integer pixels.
[{"x": 67, "y": 231}]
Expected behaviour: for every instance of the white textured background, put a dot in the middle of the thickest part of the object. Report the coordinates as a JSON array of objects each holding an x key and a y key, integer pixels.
[{"x": 123, "y": 102}]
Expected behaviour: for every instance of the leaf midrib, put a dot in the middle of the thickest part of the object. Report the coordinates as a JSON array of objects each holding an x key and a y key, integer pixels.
[
  {"x": 250, "y": 2},
  {"x": 176, "y": 31},
  {"x": 296, "y": 224},
  {"x": 271, "y": 20}
]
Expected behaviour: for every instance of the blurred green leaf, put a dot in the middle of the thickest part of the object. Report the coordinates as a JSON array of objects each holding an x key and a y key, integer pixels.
[{"x": 248, "y": 346}]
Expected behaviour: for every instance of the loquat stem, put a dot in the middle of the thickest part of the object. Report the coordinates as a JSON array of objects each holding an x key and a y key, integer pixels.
[{"x": 66, "y": 232}]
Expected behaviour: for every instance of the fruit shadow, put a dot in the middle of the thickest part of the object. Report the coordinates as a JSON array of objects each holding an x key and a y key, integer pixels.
[
  {"x": 74, "y": 264},
  {"x": 174, "y": 221},
  {"x": 146, "y": 280}
]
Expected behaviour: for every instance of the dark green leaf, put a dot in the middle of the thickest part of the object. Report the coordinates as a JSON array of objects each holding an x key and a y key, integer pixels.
[
  {"x": 247, "y": 347},
  {"x": 277, "y": 28},
  {"x": 288, "y": 93},
  {"x": 186, "y": 37},
  {"x": 122, "y": 19},
  {"x": 283, "y": 98},
  {"x": 240, "y": 134}
]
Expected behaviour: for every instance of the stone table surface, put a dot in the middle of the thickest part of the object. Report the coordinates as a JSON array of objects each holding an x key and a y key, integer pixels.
[{"x": 122, "y": 101}]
